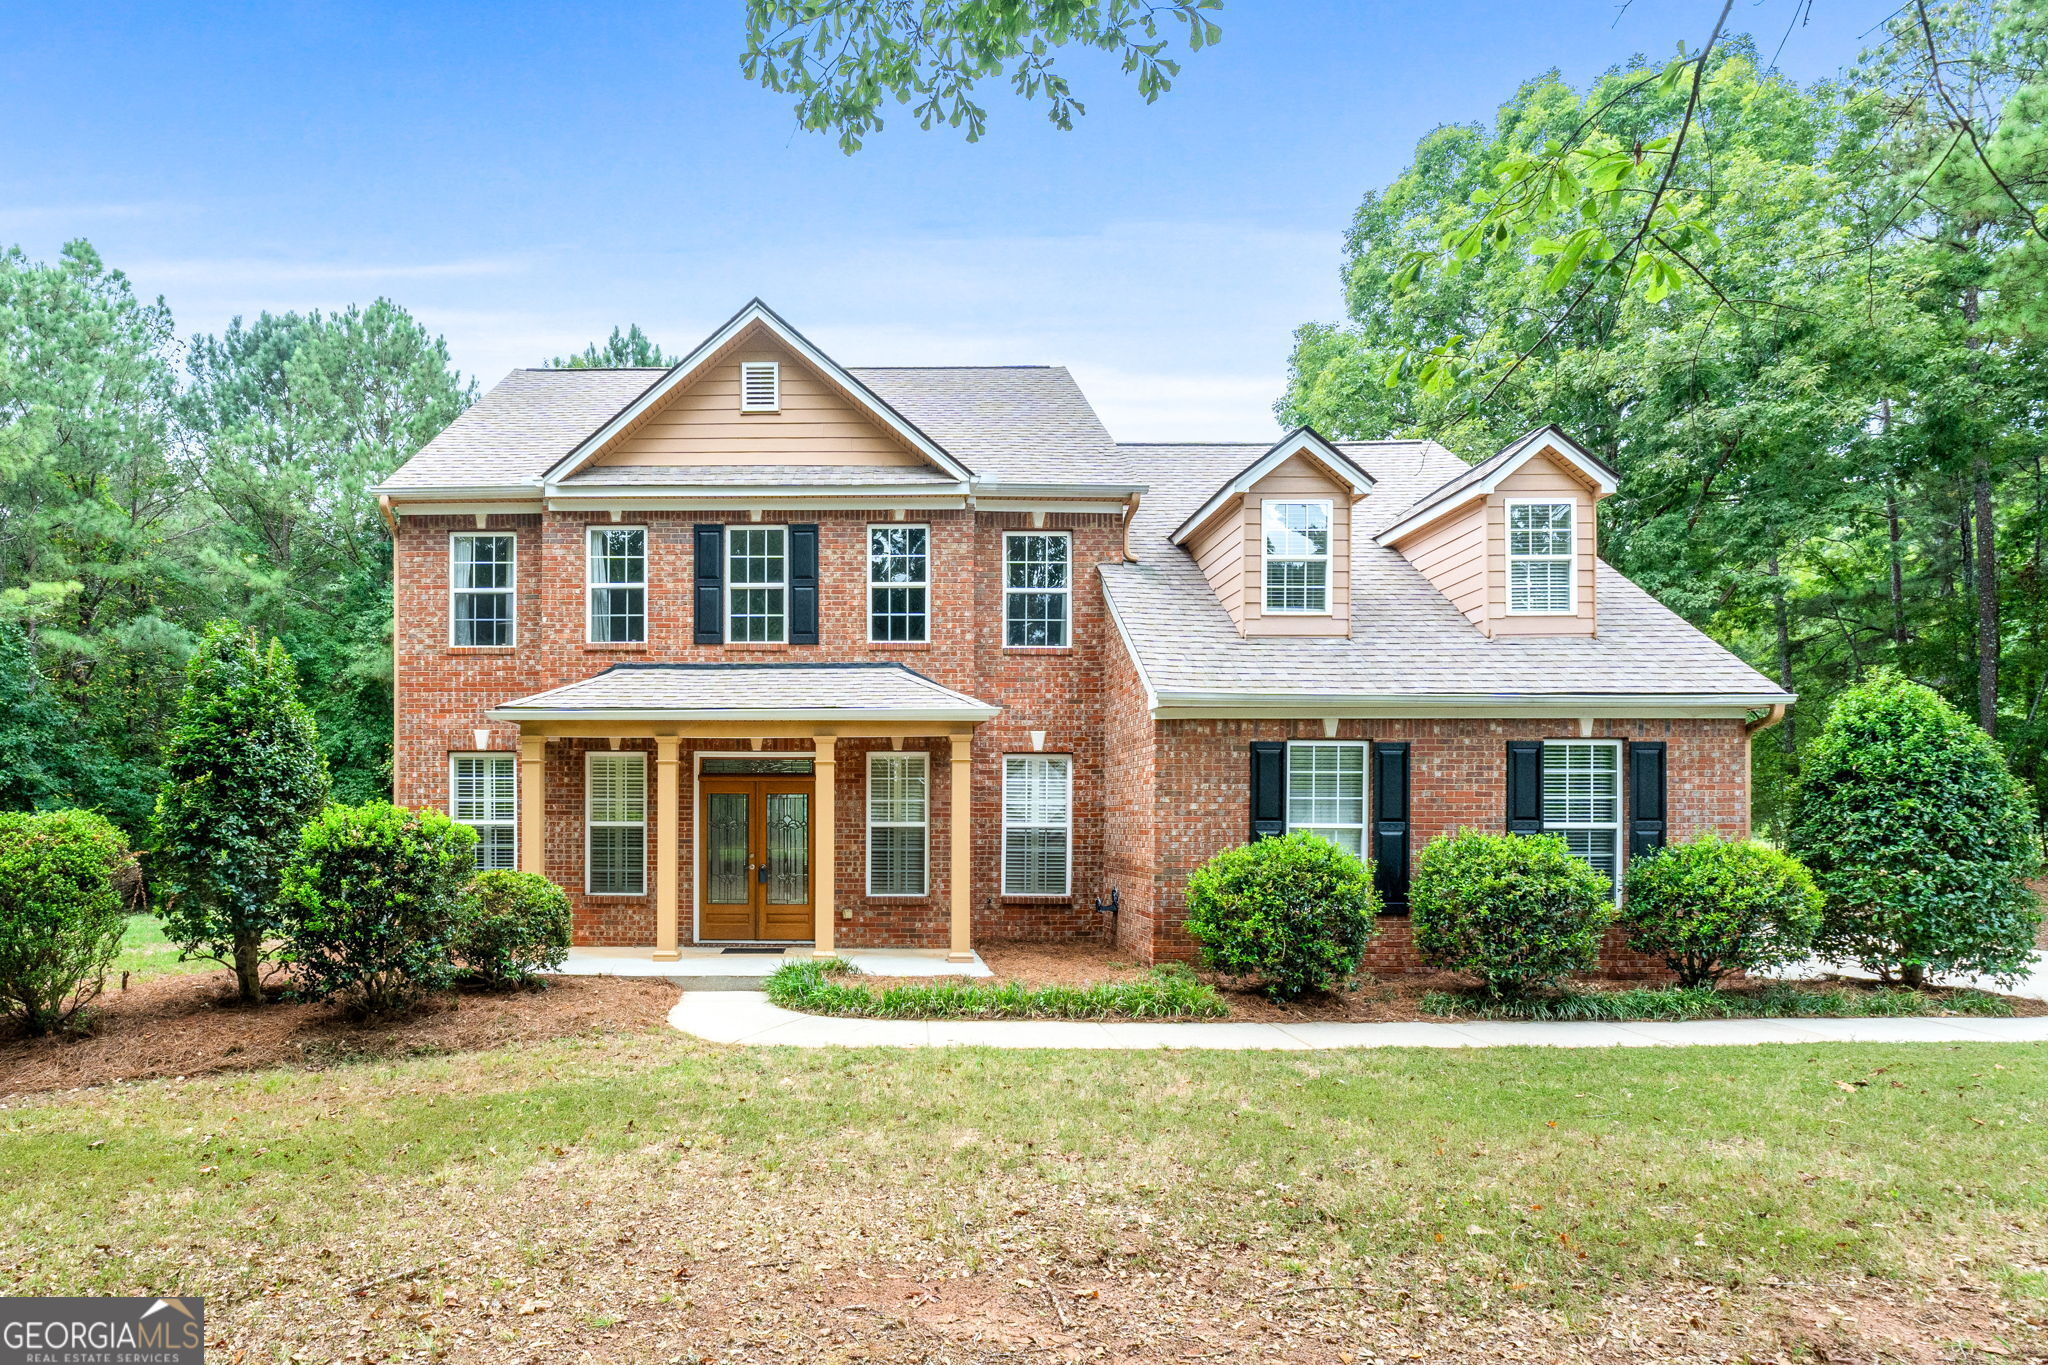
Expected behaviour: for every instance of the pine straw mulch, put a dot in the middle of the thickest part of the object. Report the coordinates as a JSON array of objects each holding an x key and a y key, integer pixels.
[
  {"x": 192, "y": 1025},
  {"x": 1388, "y": 999}
]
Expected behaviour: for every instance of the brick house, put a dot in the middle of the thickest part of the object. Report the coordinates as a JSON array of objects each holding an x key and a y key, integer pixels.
[{"x": 763, "y": 649}]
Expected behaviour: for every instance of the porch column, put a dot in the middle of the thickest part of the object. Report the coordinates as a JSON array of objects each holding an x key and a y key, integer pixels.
[
  {"x": 668, "y": 782},
  {"x": 824, "y": 843},
  {"x": 960, "y": 798},
  {"x": 533, "y": 766}
]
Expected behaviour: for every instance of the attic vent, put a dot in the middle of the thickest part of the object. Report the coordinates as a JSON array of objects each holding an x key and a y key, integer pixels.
[{"x": 760, "y": 386}]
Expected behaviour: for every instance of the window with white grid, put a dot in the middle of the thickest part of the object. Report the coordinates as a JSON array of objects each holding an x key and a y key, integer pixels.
[
  {"x": 618, "y": 584},
  {"x": 899, "y": 810},
  {"x": 483, "y": 793},
  {"x": 1326, "y": 792},
  {"x": 1542, "y": 560},
  {"x": 1297, "y": 557},
  {"x": 615, "y": 824},
  {"x": 1035, "y": 587},
  {"x": 899, "y": 575},
  {"x": 760, "y": 386},
  {"x": 480, "y": 569},
  {"x": 757, "y": 583},
  {"x": 1038, "y": 806},
  {"x": 1582, "y": 799}
]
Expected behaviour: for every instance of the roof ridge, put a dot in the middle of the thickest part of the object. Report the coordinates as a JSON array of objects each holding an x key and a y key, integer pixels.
[
  {"x": 586, "y": 369},
  {"x": 957, "y": 367}
]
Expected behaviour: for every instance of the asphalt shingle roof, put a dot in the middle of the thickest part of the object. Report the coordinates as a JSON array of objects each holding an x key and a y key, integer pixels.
[{"x": 743, "y": 688}]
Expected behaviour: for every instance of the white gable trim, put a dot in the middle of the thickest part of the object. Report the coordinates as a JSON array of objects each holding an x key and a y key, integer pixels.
[
  {"x": 1300, "y": 441},
  {"x": 1497, "y": 469},
  {"x": 756, "y": 312}
]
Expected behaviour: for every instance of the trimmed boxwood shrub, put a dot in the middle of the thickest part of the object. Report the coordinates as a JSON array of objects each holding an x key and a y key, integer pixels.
[
  {"x": 1918, "y": 836},
  {"x": 1516, "y": 910},
  {"x": 372, "y": 905},
  {"x": 515, "y": 925},
  {"x": 1709, "y": 907},
  {"x": 61, "y": 913},
  {"x": 1295, "y": 912}
]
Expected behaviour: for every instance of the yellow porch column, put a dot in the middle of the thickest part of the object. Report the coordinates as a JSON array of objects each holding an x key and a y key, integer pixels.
[
  {"x": 825, "y": 844},
  {"x": 668, "y": 783},
  {"x": 961, "y": 800},
  {"x": 533, "y": 758}
]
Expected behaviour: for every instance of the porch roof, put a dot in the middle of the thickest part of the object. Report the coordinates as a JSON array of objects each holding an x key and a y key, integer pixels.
[{"x": 751, "y": 692}]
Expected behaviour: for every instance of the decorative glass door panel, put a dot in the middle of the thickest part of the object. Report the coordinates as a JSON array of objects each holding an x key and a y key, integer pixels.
[{"x": 755, "y": 857}]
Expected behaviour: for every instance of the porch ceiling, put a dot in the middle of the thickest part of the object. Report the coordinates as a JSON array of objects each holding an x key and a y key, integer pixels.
[{"x": 755, "y": 693}]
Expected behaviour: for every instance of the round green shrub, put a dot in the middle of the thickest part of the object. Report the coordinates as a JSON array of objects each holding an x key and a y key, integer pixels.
[
  {"x": 1710, "y": 907},
  {"x": 1296, "y": 912},
  {"x": 515, "y": 925},
  {"x": 1919, "y": 837},
  {"x": 61, "y": 913},
  {"x": 1516, "y": 910},
  {"x": 373, "y": 904}
]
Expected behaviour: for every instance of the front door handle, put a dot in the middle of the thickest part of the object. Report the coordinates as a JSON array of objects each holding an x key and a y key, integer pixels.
[{"x": 762, "y": 873}]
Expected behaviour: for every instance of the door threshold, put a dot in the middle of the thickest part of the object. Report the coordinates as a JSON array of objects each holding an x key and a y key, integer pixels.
[{"x": 778, "y": 952}]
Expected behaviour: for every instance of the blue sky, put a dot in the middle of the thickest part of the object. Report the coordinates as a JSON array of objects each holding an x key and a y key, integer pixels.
[{"x": 523, "y": 176}]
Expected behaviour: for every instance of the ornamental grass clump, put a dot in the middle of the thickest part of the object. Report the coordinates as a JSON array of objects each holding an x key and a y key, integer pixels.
[
  {"x": 1919, "y": 837},
  {"x": 1294, "y": 913},
  {"x": 1711, "y": 907},
  {"x": 1518, "y": 911},
  {"x": 61, "y": 913},
  {"x": 514, "y": 926}
]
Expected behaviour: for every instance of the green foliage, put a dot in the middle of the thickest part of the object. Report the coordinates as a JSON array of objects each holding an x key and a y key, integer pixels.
[
  {"x": 622, "y": 350},
  {"x": 816, "y": 987},
  {"x": 1295, "y": 912},
  {"x": 36, "y": 735},
  {"x": 1711, "y": 907},
  {"x": 1518, "y": 911},
  {"x": 242, "y": 773},
  {"x": 372, "y": 905},
  {"x": 1919, "y": 837},
  {"x": 1774, "y": 1000},
  {"x": 61, "y": 916},
  {"x": 515, "y": 925},
  {"x": 842, "y": 61}
]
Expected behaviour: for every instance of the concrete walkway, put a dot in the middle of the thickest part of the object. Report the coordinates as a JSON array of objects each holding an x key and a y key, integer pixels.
[
  {"x": 715, "y": 969},
  {"x": 747, "y": 1017}
]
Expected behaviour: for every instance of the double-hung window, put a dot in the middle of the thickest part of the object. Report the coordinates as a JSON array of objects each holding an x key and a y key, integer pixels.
[
  {"x": 483, "y": 793},
  {"x": 1326, "y": 792},
  {"x": 615, "y": 824},
  {"x": 1297, "y": 557},
  {"x": 480, "y": 576},
  {"x": 1541, "y": 558},
  {"x": 1582, "y": 799},
  {"x": 1038, "y": 807},
  {"x": 899, "y": 574},
  {"x": 618, "y": 584},
  {"x": 757, "y": 583},
  {"x": 899, "y": 808},
  {"x": 1036, "y": 587}
]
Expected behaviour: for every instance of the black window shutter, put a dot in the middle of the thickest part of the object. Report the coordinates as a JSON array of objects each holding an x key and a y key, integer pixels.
[
  {"x": 803, "y": 584},
  {"x": 1269, "y": 788},
  {"x": 709, "y": 585},
  {"x": 1390, "y": 825},
  {"x": 1646, "y": 803},
  {"x": 1525, "y": 786}
]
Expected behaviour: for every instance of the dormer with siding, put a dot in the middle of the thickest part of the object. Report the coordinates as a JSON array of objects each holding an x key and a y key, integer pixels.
[
  {"x": 1275, "y": 541},
  {"x": 1513, "y": 542}
]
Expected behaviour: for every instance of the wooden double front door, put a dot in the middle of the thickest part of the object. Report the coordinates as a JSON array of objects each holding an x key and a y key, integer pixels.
[{"x": 754, "y": 865}]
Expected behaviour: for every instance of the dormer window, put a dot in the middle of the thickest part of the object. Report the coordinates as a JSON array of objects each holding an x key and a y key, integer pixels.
[
  {"x": 760, "y": 386},
  {"x": 1542, "y": 560},
  {"x": 1297, "y": 555}
]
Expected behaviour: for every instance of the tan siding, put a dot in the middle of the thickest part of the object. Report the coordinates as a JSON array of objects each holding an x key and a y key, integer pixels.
[
  {"x": 1219, "y": 549},
  {"x": 1452, "y": 554},
  {"x": 701, "y": 424}
]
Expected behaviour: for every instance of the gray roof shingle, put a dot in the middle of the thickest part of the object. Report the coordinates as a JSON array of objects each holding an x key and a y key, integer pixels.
[{"x": 713, "y": 690}]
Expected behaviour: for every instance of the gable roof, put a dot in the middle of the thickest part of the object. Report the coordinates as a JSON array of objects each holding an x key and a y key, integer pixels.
[
  {"x": 1484, "y": 477},
  {"x": 755, "y": 316},
  {"x": 1300, "y": 441}
]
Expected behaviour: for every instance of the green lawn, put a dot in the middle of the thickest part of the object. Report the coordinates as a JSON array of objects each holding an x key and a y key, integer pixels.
[
  {"x": 146, "y": 952},
  {"x": 644, "y": 1184}
]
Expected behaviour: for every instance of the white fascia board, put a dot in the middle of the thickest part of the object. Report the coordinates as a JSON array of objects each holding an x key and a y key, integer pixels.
[
  {"x": 464, "y": 508},
  {"x": 1107, "y": 492},
  {"x": 1283, "y": 706},
  {"x": 754, "y": 492},
  {"x": 755, "y": 312},
  {"x": 848, "y": 714},
  {"x": 1592, "y": 469},
  {"x": 753, "y": 500},
  {"x": 1105, "y": 507},
  {"x": 1298, "y": 441},
  {"x": 475, "y": 492}
]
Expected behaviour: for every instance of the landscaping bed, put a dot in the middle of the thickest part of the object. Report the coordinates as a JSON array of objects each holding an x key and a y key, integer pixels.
[{"x": 191, "y": 1025}]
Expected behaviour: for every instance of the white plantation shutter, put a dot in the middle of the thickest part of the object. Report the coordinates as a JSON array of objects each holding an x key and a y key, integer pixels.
[
  {"x": 1541, "y": 557},
  {"x": 483, "y": 792},
  {"x": 760, "y": 386},
  {"x": 1582, "y": 800},
  {"x": 1037, "y": 823},
  {"x": 899, "y": 801},
  {"x": 615, "y": 820}
]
